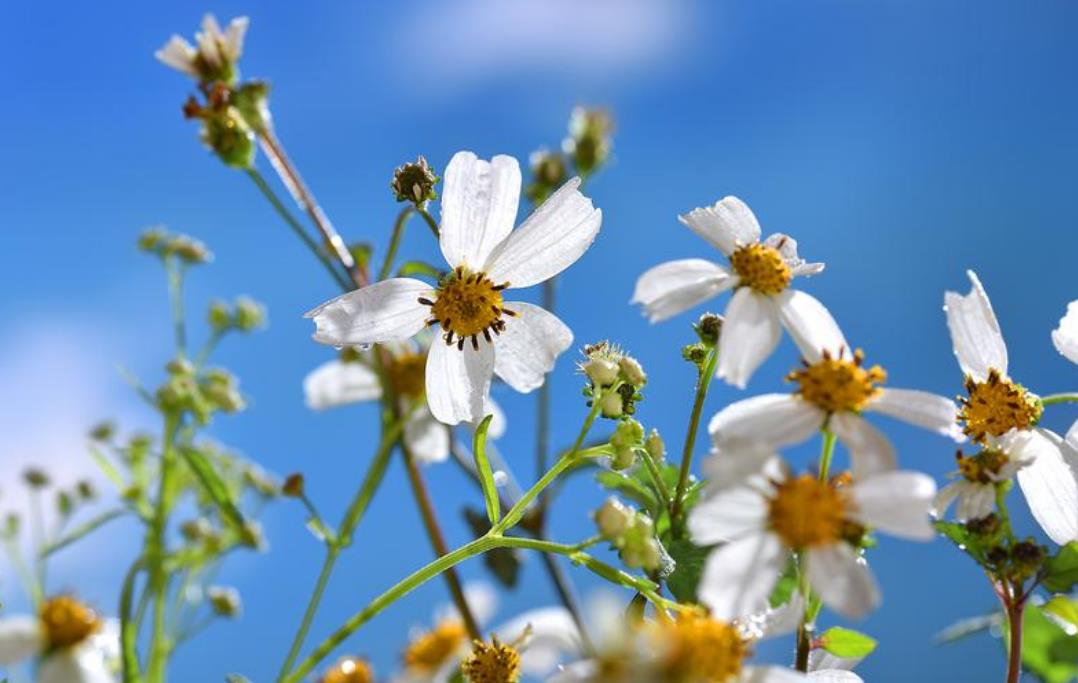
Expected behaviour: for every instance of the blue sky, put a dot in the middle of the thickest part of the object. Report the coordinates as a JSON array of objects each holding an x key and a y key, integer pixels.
[{"x": 900, "y": 142}]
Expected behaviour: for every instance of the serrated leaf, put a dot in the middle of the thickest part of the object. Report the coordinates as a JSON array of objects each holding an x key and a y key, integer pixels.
[
  {"x": 689, "y": 561},
  {"x": 1061, "y": 569},
  {"x": 486, "y": 475},
  {"x": 214, "y": 486},
  {"x": 847, "y": 643},
  {"x": 411, "y": 268}
]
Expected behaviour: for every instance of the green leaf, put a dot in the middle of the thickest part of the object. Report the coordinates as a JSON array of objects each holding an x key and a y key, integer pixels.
[
  {"x": 486, "y": 475},
  {"x": 963, "y": 539},
  {"x": 503, "y": 563},
  {"x": 628, "y": 486},
  {"x": 410, "y": 268},
  {"x": 108, "y": 468},
  {"x": 689, "y": 559},
  {"x": 1061, "y": 570},
  {"x": 83, "y": 530},
  {"x": 361, "y": 252},
  {"x": 847, "y": 643},
  {"x": 784, "y": 587},
  {"x": 214, "y": 486},
  {"x": 1047, "y": 650},
  {"x": 1063, "y": 608}
]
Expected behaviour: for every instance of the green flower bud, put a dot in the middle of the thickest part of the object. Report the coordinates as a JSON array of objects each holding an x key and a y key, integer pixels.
[
  {"x": 219, "y": 316},
  {"x": 632, "y": 372},
  {"x": 250, "y": 314},
  {"x": 65, "y": 504},
  {"x": 655, "y": 446},
  {"x": 708, "y": 328},
  {"x": 188, "y": 250},
  {"x": 196, "y": 529},
  {"x": 103, "y": 431},
  {"x": 152, "y": 239},
  {"x": 85, "y": 490},
  {"x": 611, "y": 405},
  {"x": 180, "y": 366},
  {"x": 261, "y": 481},
  {"x": 229, "y": 136},
  {"x": 600, "y": 371},
  {"x": 224, "y": 600},
  {"x": 35, "y": 478},
  {"x": 548, "y": 173},
  {"x": 589, "y": 141},
  {"x": 613, "y": 519},
  {"x": 12, "y": 524},
  {"x": 415, "y": 182},
  {"x": 251, "y": 100}
]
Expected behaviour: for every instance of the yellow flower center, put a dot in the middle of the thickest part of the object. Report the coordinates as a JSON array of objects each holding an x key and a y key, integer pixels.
[
  {"x": 996, "y": 406},
  {"x": 762, "y": 268},
  {"x": 698, "y": 649},
  {"x": 838, "y": 384},
  {"x": 407, "y": 374},
  {"x": 349, "y": 670},
  {"x": 430, "y": 651},
  {"x": 493, "y": 663},
  {"x": 467, "y": 305},
  {"x": 982, "y": 468},
  {"x": 806, "y": 512},
  {"x": 67, "y": 622}
]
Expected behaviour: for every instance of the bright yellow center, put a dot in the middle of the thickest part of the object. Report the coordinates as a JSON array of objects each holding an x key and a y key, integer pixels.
[
  {"x": 467, "y": 305},
  {"x": 493, "y": 663},
  {"x": 67, "y": 622},
  {"x": 762, "y": 268},
  {"x": 995, "y": 407},
  {"x": 838, "y": 384},
  {"x": 430, "y": 651},
  {"x": 698, "y": 649},
  {"x": 806, "y": 512},
  {"x": 407, "y": 374},
  {"x": 349, "y": 670},
  {"x": 982, "y": 468}
]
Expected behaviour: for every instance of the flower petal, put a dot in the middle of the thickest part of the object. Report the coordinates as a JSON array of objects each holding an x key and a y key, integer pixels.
[
  {"x": 738, "y": 577},
  {"x": 810, "y": 325},
  {"x": 787, "y": 247},
  {"x": 870, "y": 451},
  {"x": 234, "y": 35},
  {"x": 728, "y": 515},
  {"x": 749, "y": 334},
  {"x": 834, "y": 676},
  {"x": 978, "y": 341},
  {"x": 427, "y": 438},
  {"x": 458, "y": 382},
  {"x": 769, "y": 419},
  {"x": 974, "y": 500},
  {"x": 739, "y": 462},
  {"x": 676, "y": 286},
  {"x": 728, "y": 224},
  {"x": 771, "y": 674},
  {"x": 336, "y": 384},
  {"x": 479, "y": 207},
  {"x": 384, "y": 311},
  {"x": 896, "y": 502},
  {"x": 553, "y": 637},
  {"x": 74, "y": 666},
  {"x": 529, "y": 345},
  {"x": 921, "y": 408},
  {"x": 21, "y": 638},
  {"x": 549, "y": 241},
  {"x": 842, "y": 579},
  {"x": 179, "y": 54},
  {"x": 1065, "y": 337},
  {"x": 1050, "y": 484}
]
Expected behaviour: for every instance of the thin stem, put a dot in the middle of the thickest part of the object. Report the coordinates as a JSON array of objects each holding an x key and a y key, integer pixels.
[
  {"x": 37, "y": 524},
  {"x": 26, "y": 577},
  {"x": 1053, "y": 399},
  {"x": 542, "y": 404},
  {"x": 656, "y": 476},
  {"x": 431, "y": 223},
  {"x": 1015, "y": 612},
  {"x": 174, "y": 272},
  {"x": 328, "y": 564},
  {"x": 394, "y": 241},
  {"x": 128, "y": 627},
  {"x": 827, "y": 452},
  {"x": 156, "y": 546},
  {"x": 707, "y": 372}
]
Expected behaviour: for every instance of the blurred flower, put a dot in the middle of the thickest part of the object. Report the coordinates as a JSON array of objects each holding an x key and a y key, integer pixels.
[
  {"x": 348, "y": 670},
  {"x": 589, "y": 141},
  {"x": 978, "y": 475},
  {"x": 214, "y": 59},
  {"x": 75, "y": 645},
  {"x": 1065, "y": 337}
]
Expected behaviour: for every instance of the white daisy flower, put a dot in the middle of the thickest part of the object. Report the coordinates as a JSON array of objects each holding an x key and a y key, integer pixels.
[
  {"x": 996, "y": 405},
  {"x": 351, "y": 379},
  {"x": 1065, "y": 337},
  {"x": 763, "y": 302},
  {"x": 73, "y": 644},
  {"x": 764, "y": 519},
  {"x": 483, "y": 333},
  {"x": 978, "y": 474},
  {"x": 214, "y": 54}
]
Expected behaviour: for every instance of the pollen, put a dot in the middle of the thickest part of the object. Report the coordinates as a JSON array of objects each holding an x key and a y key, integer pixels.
[
  {"x": 762, "y": 268},
  {"x": 406, "y": 374},
  {"x": 806, "y": 512},
  {"x": 67, "y": 622},
  {"x": 996, "y": 406},
  {"x": 349, "y": 670},
  {"x": 468, "y": 305},
  {"x": 699, "y": 648},
  {"x": 430, "y": 651},
  {"x": 495, "y": 662},
  {"x": 982, "y": 468},
  {"x": 838, "y": 384}
]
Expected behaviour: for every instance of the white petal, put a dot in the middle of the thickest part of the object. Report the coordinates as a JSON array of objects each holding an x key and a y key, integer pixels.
[
  {"x": 921, "y": 408},
  {"x": 384, "y": 311},
  {"x": 1050, "y": 485},
  {"x": 676, "y": 286},
  {"x": 728, "y": 515},
  {"x": 549, "y": 241},
  {"x": 458, "y": 382},
  {"x": 896, "y": 502},
  {"x": 554, "y": 637},
  {"x": 749, "y": 334},
  {"x": 479, "y": 207},
  {"x": 427, "y": 438},
  {"x": 944, "y": 498},
  {"x": 870, "y": 451},
  {"x": 823, "y": 662},
  {"x": 728, "y": 224},
  {"x": 787, "y": 247},
  {"x": 482, "y": 601},
  {"x": 529, "y": 345},
  {"x": 738, "y": 577},
  {"x": 737, "y": 463},
  {"x": 975, "y": 501},
  {"x": 975, "y": 333},
  {"x": 335, "y": 384},
  {"x": 179, "y": 54},
  {"x": 20, "y": 638},
  {"x": 237, "y": 29},
  {"x": 771, "y": 674},
  {"x": 834, "y": 676},
  {"x": 74, "y": 666},
  {"x": 769, "y": 419},
  {"x": 1065, "y": 337},
  {"x": 810, "y": 325},
  {"x": 843, "y": 581}
]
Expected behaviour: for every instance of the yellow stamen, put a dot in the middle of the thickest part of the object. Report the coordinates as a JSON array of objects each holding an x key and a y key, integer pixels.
[
  {"x": 996, "y": 406},
  {"x": 467, "y": 305},
  {"x": 430, "y": 651},
  {"x": 838, "y": 384},
  {"x": 806, "y": 512},
  {"x": 67, "y": 621},
  {"x": 349, "y": 670},
  {"x": 762, "y": 268},
  {"x": 493, "y": 663},
  {"x": 982, "y": 468},
  {"x": 698, "y": 648},
  {"x": 407, "y": 374}
]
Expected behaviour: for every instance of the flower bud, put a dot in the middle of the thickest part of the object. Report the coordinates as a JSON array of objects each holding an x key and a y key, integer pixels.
[
  {"x": 708, "y": 328},
  {"x": 12, "y": 524},
  {"x": 548, "y": 173},
  {"x": 249, "y": 314},
  {"x": 224, "y": 600},
  {"x": 631, "y": 371},
  {"x": 219, "y": 316},
  {"x": 103, "y": 431},
  {"x": 180, "y": 366},
  {"x": 196, "y": 529},
  {"x": 600, "y": 371},
  {"x": 655, "y": 446},
  {"x": 415, "y": 182},
  {"x": 188, "y": 250},
  {"x": 588, "y": 144},
  {"x": 85, "y": 490},
  {"x": 628, "y": 434},
  {"x": 151, "y": 240},
  {"x": 65, "y": 504},
  {"x": 623, "y": 459},
  {"x": 251, "y": 100},
  {"x": 229, "y": 136},
  {"x": 613, "y": 519},
  {"x": 252, "y": 535},
  {"x": 293, "y": 486},
  {"x": 611, "y": 404},
  {"x": 35, "y": 478}
]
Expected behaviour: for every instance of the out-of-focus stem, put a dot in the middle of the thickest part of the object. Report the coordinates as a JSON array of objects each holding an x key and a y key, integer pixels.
[{"x": 707, "y": 372}]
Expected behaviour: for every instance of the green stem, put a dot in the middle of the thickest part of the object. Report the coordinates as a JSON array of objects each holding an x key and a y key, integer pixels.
[
  {"x": 26, "y": 577},
  {"x": 1054, "y": 399},
  {"x": 174, "y": 272},
  {"x": 83, "y": 530},
  {"x": 431, "y": 223},
  {"x": 156, "y": 546},
  {"x": 656, "y": 476},
  {"x": 827, "y": 452},
  {"x": 394, "y": 241},
  {"x": 128, "y": 627},
  {"x": 707, "y": 372},
  {"x": 813, "y": 604},
  {"x": 37, "y": 523}
]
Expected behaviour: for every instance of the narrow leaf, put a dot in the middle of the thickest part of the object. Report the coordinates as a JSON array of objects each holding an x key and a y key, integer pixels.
[
  {"x": 847, "y": 643},
  {"x": 486, "y": 475},
  {"x": 215, "y": 487},
  {"x": 83, "y": 530},
  {"x": 410, "y": 268},
  {"x": 108, "y": 468}
]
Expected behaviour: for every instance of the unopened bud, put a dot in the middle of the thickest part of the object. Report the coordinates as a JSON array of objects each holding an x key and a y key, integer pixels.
[
  {"x": 611, "y": 405},
  {"x": 152, "y": 239},
  {"x": 613, "y": 519},
  {"x": 196, "y": 529},
  {"x": 224, "y": 600},
  {"x": 103, "y": 431},
  {"x": 64, "y": 503},
  {"x": 708, "y": 328},
  {"x": 219, "y": 316},
  {"x": 252, "y": 535},
  {"x": 35, "y": 478},
  {"x": 293, "y": 485},
  {"x": 85, "y": 490},
  {"x": 188, "y": 249},
  {"x": 600, "y": 371},
  {"x": 250, "y": 314},
  {"x": 12, "y": 524},
  {"x": 655, "y": 445},
  {"x": 632, "y": 372},
  {"x": 414, "y": 182}
]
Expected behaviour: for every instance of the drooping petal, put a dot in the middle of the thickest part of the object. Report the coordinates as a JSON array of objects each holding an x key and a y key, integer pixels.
[
  {"x": 974, "y": 500},
  {"x": 1065, "y": 337},
  {"x": 810, "y": 325},
  {"x": 553, "y": 639},
  {"x": 74, "y": 666},
  {"x": 842, "y": 579},
  {"x": 896, "y": 502},
  {"x": 458, "y": 382},
  {"x": 479, "y": 207},
  {"x": 787, "y": 247},
  {"x": 1050, "y": 483},
  {"x": 676, "y": 286},
  {"x": 870, "y": 451},
  {"x": 529, "y": 345},
  {"x": 427, "y": 438},
  {"x": 728, "y": 515},
  {"x": 728, "y": 224},
  {"x": 978, "y": 341},
  {"x": 336, "y": 384},
  {"x": 549, "y": 241},
  {"x": 774, "y": 420},
  {"x": 21, "y": 638},
  {"x": 384, "y": 311},
  {"x": 921, "y": 408},
  {"x": 738, "y": 577},
  {"x": 821, "y": 661},
  {"x": 750, "y": 333}
]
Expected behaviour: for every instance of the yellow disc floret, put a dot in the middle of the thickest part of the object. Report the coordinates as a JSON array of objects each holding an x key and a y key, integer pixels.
[
  {"x": 430, "y": 651},
  {"x": 806, "y": 512},
  {"x": 996, "y": 406},
  {"x": 467, "y": 305},
  {"x": 67, "y": 622},
  {"x": 495, "y": 662},
  {"x": 697, "y": 648},
  {"x": 982, "y": 468},
  {"x": 762, "y": 268},
  {"x": 349, "y": 670},
  {"x": 407, "y": 374},
  {"x": 838, "y": 384}
]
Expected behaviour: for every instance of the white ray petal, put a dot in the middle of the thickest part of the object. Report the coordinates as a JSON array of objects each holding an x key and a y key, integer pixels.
[
  {"x": 728, "y": 224},
  {"x": 739, "y": 576},
  {"x": 921, "y": 408},
  {"x": 384, "y": 311},
  {"x": 896, "y": 502},
  {"x": 1050, "y": 484},
  {"x": 458, "y": 382},
  {"x": 843, "y": 580},
  {"x": 774, "y": 420},
  {"x": 870, "y": 451},
  {"x": 727, "y": 515},
  {"x": 426, "y": 437},
  {"x": 676, "y": 286},
  {"x": 1065, "y": 337},
  {"x": 529, "y": 345},
  {"x": 479, "y": 207},
  {"x": 978, "y": 341},
  {"x": 336, "y": 383},
  {"x": 750, "y": 333},
  {"x": 21, "y": 637},
  {"x": 810, "y": 325}
]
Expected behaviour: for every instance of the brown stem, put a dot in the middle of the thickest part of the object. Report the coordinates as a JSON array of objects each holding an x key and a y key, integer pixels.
[
  {"x": 1015, "y": 611},
  {"x": 804, "y": 646}
]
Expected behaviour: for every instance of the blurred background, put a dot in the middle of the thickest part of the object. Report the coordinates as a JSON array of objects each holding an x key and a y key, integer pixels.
[{"x": 899, "y": 142}]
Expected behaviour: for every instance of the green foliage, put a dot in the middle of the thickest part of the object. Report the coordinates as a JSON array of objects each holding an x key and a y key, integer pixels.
[
  {"x": 503, "y": 563},
  {"x": 1047, "y": 650},
  {"x": 486, "y": 475},
  {"x": 689, "y": 560},
  {"x": 847, "y": 643},
  {"x": 1061, "y": 569}
]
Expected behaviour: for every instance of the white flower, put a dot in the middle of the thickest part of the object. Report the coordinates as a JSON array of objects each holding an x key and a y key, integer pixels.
[
  {"x": 1065, "y": 337},
  {"x": 483, "y": 333},
  {"x": 761, "y": 272},
  {"x": 997, "y": 405},
  {"x": 767, "y": 516},
  {"x": 978, "y": 475},
  {"x": 216, "y": 53},
  {"x": 74, "y": 644}
]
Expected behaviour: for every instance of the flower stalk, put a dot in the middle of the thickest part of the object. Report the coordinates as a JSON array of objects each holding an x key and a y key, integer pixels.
[{"x": 703, "y": 382}]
